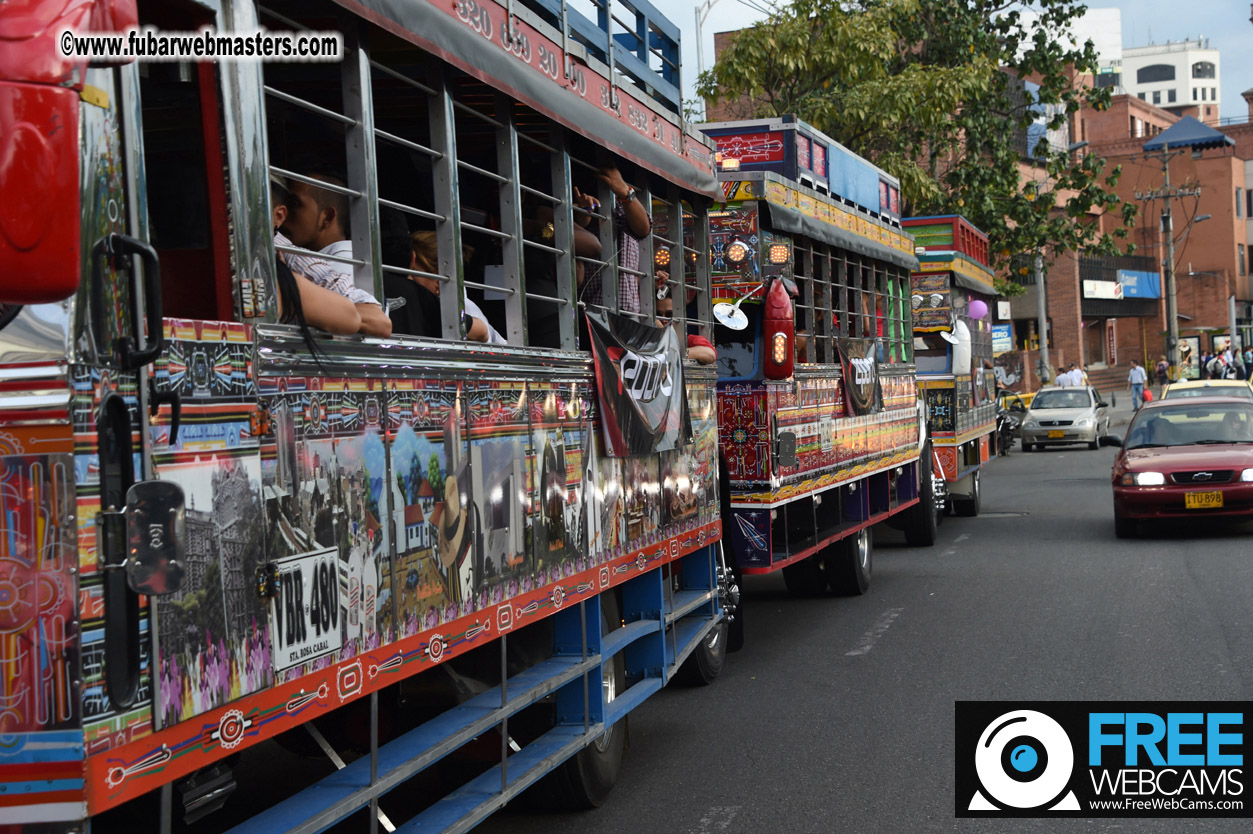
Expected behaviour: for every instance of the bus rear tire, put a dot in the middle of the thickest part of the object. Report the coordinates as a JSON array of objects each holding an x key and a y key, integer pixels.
[
  {"x": 704, "y": 664},
  {"x": 849, "y": 563},
  {"x": 968, "y": 505},
  {"x": 586, "y": 778},
  {"x": 921, "y": 522}
]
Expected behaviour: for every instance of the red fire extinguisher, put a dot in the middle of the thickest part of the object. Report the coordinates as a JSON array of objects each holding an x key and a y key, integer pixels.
[{"x": 779, "y": 326}]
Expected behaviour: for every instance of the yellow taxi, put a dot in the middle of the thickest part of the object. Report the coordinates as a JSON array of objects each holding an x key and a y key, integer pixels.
[{"x": 1208, "y": 388}]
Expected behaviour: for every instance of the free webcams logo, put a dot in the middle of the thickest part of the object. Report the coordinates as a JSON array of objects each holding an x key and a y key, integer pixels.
[
  {"x": 1100, "y": 759},
  {"x": 1024, "y": 761}
]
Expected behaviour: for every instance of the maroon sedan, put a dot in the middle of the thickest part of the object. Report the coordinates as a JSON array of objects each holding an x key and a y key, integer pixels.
[{"x": 1185, "y": 458}]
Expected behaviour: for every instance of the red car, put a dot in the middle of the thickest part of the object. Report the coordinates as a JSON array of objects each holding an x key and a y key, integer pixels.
[{"x": 1183, "y": 459}]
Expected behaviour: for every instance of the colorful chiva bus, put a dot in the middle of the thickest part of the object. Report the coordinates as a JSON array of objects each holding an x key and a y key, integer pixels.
[
  {"x": 952, "y": 294},
  {"x": 219, "y": 528},
  {"x": 820, "y": 421}
]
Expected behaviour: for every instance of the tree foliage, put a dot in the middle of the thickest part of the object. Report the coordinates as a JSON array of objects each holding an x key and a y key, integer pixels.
[{"x": 928, "y": 90}]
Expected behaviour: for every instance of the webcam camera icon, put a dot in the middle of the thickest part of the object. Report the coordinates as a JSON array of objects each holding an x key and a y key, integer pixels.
[{"x": 1024, "y": 761}]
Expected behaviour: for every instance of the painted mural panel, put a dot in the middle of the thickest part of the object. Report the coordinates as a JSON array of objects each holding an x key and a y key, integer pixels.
[
  {"x": 324, "y": 487},
  {"x": 212, "y": 635},
  {"x": 558, "y": 432},
  {"x": 421, "y": 589}
]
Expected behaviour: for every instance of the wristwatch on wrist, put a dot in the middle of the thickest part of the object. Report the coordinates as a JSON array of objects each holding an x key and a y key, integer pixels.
[{"x": 630, "y": 196}]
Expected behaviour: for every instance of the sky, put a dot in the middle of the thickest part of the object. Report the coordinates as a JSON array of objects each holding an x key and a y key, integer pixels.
[{"x": 1224, "y": 22}]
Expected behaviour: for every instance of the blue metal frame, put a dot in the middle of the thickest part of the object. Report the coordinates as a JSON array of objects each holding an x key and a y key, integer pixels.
[{"x": 661, "y": 628}]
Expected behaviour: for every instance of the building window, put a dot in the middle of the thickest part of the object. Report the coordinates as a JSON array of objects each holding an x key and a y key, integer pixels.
[
  {"x": 1156, "y": 72},
  {"x": 1240, "y": 257},
  {"x": 1239, "y": 202},
  {"x": 1194, "y": 93},
  {"x": 1170, "y": 96},
  {"x": 1213, "y": 94},
  {"x": 1204, "y": 69},
  {"x": 1141, "y": 95},
  {"x": 1248, "y": 203},
  {"x": 1157, "y": 96}
]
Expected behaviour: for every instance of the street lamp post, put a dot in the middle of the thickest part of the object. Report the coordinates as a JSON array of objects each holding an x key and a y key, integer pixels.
[{"x": 702, "y": 12}]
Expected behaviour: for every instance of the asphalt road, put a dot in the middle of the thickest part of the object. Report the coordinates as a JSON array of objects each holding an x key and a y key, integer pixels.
[{"x": 838, "y": 714}]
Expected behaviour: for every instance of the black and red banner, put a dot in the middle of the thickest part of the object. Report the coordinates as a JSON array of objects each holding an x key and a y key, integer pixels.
[
  {"x": 639, "y": 380},
  {"x": 859, "y": 360}
]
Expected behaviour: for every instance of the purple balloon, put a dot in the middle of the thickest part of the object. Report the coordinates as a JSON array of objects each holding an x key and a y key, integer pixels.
[{"x": 978, "y": 309}]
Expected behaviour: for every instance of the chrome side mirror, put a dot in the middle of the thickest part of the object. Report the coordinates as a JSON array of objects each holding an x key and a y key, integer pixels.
[{"x": 156, "y": 537}]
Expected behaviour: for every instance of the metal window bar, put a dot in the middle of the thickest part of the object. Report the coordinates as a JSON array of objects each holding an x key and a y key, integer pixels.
[
  {"x": 525, "y": 137},
  {"x": 429, "y": 215},
  {"x": 702, "y": 269},
  {"x": 400, "y": 76},
  {"x": 465, "y": 224},
  {"x": 339, "y": 259},
  {"x": 563, "y": 239},
  {"x": 491, "y": 175},
  {"x": 513, "y": 273},
  {"x": 399, "y": 270},
  {"x": 362, "y": 169},
  {"x": 478, "y": 114},
  {"x": 447, "y": 202},
  {"x": 544, "y": 247},
  {"x": 347, "y": 191},
  {"x": 308, "y": 105},
  {"x": 405, "y": 143}
]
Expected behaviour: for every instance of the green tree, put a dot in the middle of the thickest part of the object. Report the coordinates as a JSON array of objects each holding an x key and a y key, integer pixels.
[
  {"x": 436, "y": 476},
  {"x": 929, "y": 91}
]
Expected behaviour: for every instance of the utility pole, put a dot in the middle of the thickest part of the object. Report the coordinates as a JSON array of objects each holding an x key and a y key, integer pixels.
[
  {"x": 1166, "y": 194},
  {"x": 1041, "y": 301}
]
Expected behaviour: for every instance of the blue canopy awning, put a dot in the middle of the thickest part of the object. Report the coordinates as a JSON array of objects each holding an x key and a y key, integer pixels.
[{"x": 1188, "y": 133}]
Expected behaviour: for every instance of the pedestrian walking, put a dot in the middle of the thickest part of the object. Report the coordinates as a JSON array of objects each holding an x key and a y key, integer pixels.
[
  {"x": 1163, "y": 374},
  {"x": 1136, "y": 380}
]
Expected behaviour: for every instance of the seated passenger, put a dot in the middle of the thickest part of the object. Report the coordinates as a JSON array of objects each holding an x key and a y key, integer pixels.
[
  {"x": 699, "y": 348},
  {"x": 426, "y": 259},
  {"x": 300, "y": 301},
  {"x": 317, "y": 219}
]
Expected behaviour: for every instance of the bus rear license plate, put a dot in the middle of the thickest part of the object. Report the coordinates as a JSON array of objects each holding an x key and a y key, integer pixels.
[{"x": 1203, "y": 500}]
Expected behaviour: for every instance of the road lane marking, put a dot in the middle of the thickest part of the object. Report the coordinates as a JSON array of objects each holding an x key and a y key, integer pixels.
[
  {"x": 961, "y": 538},
  {"x": 717, "y": 818},
  {"x": 867, "y": 641}
]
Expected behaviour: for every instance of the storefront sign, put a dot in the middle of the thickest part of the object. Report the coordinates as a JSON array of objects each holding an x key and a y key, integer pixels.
[
  {"x": 1102, "y": 289},
  {"x": 1139, "y": 284},
  {"x": 1002, "y": 338}
]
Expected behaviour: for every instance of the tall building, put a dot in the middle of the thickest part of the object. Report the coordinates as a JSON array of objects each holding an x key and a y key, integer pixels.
[{"x": 1174, "y": 76}]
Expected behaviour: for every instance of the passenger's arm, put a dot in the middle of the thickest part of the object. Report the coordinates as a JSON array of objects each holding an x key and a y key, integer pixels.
[
  {"x": 327, "y": 309},
  {"x": 477, "y": 330},
  {"x": 703, "y": 355},
  {"x": 374, "y": 322}
]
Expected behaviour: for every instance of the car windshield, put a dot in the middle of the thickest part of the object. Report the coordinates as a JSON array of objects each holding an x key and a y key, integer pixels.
[
  {"x": 1241, "y": 391},
  {"x": 1061, "y": 399},
  {"x": 1187, "y": 425}
]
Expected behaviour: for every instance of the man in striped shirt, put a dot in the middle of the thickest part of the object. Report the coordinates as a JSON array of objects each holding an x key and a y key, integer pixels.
[{"x": 317, "y": 219}]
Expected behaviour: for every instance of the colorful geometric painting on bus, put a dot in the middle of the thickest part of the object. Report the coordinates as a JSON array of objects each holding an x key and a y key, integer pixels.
[{"x": 38, "y": 599}]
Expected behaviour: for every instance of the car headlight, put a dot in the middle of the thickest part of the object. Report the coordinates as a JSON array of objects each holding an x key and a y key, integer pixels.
[
  {"x": 1084, "y": 423},
  {"x": 1151, "y": 478},
  {"x": 1247, "y": 475},
  {"x": 1030, "y": 424}
]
